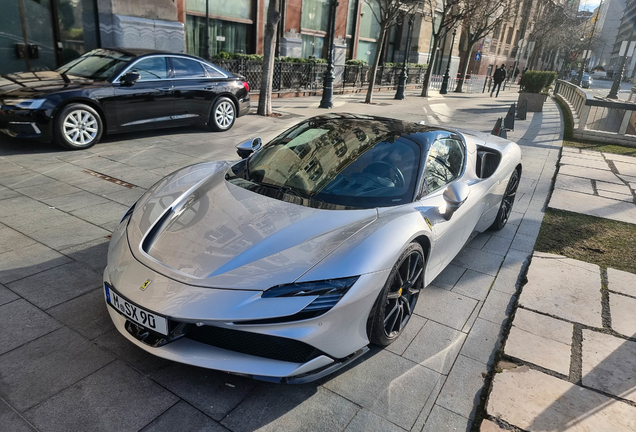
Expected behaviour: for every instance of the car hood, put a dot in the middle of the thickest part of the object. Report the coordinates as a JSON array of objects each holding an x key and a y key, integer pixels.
[
  {"x": 216, "y": 234},
  {"x": 36, "y": 84}
]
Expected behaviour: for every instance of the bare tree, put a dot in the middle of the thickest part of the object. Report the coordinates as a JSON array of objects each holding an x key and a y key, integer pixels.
[
  {"x": 485, "y": 16},
  {"x": 385, "y": 12},
  {"x": 450, "y": 12},
  {"x": 269, "y": 44}
]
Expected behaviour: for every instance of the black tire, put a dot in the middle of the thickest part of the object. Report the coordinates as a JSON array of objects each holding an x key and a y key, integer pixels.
[
  {"x": 396, "y": 302},
  {"x": 507, "y": 201},
  {"x": 223, "y": 115},
  {"x": 77, "y": 127}
]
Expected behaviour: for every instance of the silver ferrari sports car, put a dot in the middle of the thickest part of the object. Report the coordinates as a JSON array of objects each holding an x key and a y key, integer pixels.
[{"x": 285, "y": 265}]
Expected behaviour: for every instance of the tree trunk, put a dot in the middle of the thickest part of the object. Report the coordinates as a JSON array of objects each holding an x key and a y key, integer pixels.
[
  {"x": 374, "y": 69},
  {"x": 269, "y": 45},
  {"x": 429, "y": 68},
  {"x": 460, "y": 82}
]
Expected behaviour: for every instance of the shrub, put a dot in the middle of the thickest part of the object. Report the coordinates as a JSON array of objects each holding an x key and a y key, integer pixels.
[
  {"x": 537, "y": 81},
  {"x": 222, "y": 56},
  {"x": 356, "y": 63}
]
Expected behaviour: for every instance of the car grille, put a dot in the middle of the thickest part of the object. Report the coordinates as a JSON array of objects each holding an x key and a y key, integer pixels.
[{"x": 271, "y": 347}]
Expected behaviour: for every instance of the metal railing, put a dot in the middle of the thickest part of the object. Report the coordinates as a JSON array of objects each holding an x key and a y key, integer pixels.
[
  {"x": 595, "y": 119},
  {"x": 308, "y": 77}
]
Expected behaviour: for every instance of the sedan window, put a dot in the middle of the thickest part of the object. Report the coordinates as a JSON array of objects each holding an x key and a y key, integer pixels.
[
  {"x": 186, "y": 68},
  {"x": 444, "y": 163},
  {"x": 152, "y": 68},
  {"x": 212, "y": 72}
]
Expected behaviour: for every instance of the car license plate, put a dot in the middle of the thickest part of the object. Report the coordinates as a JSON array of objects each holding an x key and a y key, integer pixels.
[{"x": 134, "y": 313}]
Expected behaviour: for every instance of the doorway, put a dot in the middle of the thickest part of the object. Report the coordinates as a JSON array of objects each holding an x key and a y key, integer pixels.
[{"x": 41, "y": 35}]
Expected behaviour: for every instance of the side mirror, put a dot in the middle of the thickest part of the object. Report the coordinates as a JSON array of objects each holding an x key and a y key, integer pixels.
[
  {"x": 129, "y": 78},
  {"x": 455, "y": 195},
  {"x": 248, "y": 147}
]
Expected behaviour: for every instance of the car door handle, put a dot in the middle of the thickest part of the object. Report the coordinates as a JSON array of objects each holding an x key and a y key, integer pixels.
[
  {"x": 165, "y": 89},
  {"x": 209, "y": 88}
]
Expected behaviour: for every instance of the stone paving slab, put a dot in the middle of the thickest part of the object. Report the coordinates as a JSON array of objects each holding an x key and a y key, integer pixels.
[
  {"x": 535, "y": 401},
  {"x": 621, "y": 281},
  {"x": 541, "y": 340},
  {"x": 563, "y": 287},
  {"x": 589, "y": 173},
  {"x": 609, "y": 364},
  {"x": 593, "y": 206},
  {"x": 623, "y": 310}
]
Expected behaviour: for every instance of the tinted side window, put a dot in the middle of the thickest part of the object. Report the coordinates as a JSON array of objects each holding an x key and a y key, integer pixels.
[
  {"x": 444, "y": 163},
  {"x": 186, "y": 68},
  {"x": 213, "y": 73},
  {"x": 152, "y": 68}
]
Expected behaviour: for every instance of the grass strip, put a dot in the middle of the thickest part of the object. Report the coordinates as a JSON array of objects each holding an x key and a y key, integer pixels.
[{"x": 604, "y": 242}]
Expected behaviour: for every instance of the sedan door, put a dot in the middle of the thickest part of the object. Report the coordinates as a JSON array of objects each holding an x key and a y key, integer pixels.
[
  {"x": 150, "y": 100},
  {"x": 194, "y": 89}
]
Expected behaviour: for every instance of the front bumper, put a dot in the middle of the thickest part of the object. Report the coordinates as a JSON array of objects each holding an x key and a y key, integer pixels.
[
  {"x": 26, "y": 124},
  {"x": 206, "y": 329}
]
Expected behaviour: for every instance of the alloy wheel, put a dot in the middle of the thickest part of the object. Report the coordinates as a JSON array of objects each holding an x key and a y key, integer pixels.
[
  {"x": 403, "y": 293},
  {"x": 224, "y": 114},
  {"x": 80, "y": 127},
  {"x": 509, "y": 198}
]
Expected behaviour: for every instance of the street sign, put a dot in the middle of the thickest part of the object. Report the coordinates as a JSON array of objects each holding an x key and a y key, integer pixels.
[
  {"x": 477, "y": 56},
  {"x": 621, "y": 52},
  {"x": 479, "y": 47},
  {"x": 630, "y": 51},
  {"x": 220, "y": 38}
]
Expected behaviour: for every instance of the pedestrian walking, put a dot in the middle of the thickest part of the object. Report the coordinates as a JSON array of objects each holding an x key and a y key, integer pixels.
[{"x": 498, "y": 78}]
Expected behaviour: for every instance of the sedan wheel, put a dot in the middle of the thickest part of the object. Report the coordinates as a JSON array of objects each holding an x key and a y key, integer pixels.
[
  {"x": 396, "y": 302},
  {"x": 507, "y": 202},
  {"x": 223, "y": 115},
  {"x": 78, "y": 126}
]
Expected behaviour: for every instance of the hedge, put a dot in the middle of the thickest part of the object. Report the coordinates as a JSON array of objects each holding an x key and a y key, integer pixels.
[{"x": 537, "y": 81}]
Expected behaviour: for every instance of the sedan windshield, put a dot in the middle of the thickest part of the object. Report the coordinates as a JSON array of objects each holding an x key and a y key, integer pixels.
[
  {"x": 98, "y": 64},
  {"x": 350, "y": 162}
]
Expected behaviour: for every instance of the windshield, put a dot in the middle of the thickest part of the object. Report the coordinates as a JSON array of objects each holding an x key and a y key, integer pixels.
[
  {"x": 99, "y": 64},
  {"x": 346, "y": 162}
]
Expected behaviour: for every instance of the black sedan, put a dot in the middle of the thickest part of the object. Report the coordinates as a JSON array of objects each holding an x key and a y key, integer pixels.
[{"x": 115, "y": 90}]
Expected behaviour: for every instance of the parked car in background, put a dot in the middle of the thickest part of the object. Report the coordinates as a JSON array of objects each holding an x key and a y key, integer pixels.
[
  {"x": 117, "y": 90},
  {"x": 586, "y": 81}
]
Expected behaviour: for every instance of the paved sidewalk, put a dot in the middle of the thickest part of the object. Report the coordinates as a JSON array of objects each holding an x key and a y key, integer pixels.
[
  {"x": 596, "y": 184},
  {"x": 63, "y": 367},
  {"x": 576, "y": 339}
]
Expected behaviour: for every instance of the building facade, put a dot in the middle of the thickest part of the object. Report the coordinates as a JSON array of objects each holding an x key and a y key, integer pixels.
[
  {"x": 610, "y": 13},
  {"x": 238, "y": 27},
  {"x": 44, "y": 34},
  {"x": 626, "y": 32}
]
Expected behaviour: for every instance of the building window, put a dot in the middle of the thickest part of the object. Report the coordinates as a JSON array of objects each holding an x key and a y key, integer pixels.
[
  {"x": 369, "y": 33},
  {"x": 312, "y": 46},
  {"x": 315, "y": 15},
  {"x": 226, "y": 8},
  {"x": 366, "y": 51},
  {"x": 226, "y": 36}
]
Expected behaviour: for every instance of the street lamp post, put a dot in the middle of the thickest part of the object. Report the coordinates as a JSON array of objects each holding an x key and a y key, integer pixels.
[
  {"x": 618, "y": 75},
  {"x": 327, "y": 88},
  {"x": 402, "y": 84},
  {"x": 207, "y": 29},
  {"x": 444, "y": 88}
]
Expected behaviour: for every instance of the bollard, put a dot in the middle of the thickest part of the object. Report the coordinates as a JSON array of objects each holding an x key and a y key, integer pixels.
[
  {"x": 497, "y": 129},
  {"x": 509, "y": 121},
  {"x": 523, "y": 110}
]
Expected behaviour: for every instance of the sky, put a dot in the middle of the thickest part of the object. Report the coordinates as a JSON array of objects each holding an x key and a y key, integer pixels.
[{"x": 589, "y": 5}]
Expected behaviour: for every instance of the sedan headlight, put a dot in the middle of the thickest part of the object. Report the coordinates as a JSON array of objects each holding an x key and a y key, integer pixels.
[{"x": 31, "y": 104}]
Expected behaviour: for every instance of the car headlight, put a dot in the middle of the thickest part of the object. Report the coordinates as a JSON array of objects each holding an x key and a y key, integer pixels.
[
  {"x": 25, "y": 103},
  {"x": 329, "y": 292}
]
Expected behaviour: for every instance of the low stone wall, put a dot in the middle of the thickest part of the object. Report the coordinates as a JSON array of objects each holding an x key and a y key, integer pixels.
[{"x": 598, "y": 120}]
